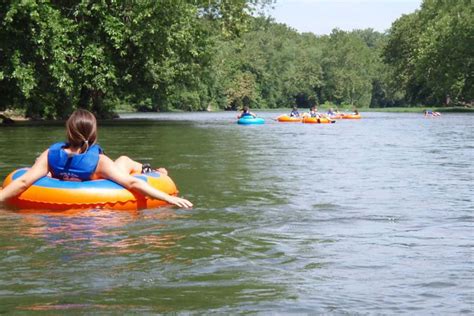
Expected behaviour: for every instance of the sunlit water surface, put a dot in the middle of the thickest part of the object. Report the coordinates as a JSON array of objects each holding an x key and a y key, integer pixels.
[{"x": 361, "y": 216}]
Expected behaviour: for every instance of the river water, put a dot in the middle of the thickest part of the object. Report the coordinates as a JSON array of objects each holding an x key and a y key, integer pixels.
[{"x": 370, "y": 216}]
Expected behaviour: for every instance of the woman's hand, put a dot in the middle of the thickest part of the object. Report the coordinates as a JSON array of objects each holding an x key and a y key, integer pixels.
[{"x": 179, "y": 202}]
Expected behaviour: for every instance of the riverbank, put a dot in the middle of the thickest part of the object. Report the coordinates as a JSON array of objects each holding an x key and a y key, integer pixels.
[
  {"x": 13, "y": 117},
  {"x": 417, "y": 109},
  {"x": 10, "y": 117},
  {"x": 420, "y": 109}
]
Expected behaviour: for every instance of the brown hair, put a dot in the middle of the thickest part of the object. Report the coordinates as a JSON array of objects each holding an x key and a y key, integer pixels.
[{"x": 81, "y": 129}]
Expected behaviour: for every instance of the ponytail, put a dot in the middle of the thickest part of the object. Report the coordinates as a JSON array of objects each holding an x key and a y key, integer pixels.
[{"x": 85, "y": 146}]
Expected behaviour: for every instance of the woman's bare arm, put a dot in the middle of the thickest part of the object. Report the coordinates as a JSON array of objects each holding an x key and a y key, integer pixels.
[{"x": 108, "y": 170}]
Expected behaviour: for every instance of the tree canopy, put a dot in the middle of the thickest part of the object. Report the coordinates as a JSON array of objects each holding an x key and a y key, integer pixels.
[
  {"x": 432, "y": 54},
  {"x": 198, "y": 54}
]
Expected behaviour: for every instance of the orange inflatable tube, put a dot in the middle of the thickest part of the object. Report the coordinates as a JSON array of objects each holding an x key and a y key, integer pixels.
[
  {"x": 317, "y": 120},
  {"x": 351, "y": 116},
  {"x": 289, "y": 119},
  {"x": 52, "y": 194}
]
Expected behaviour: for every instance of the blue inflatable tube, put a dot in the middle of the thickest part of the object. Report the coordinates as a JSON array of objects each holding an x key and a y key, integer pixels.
[{"x": 249, "y": 120}]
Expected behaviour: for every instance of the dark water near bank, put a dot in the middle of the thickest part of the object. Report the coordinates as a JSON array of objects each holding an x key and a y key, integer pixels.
[{"x": 369, "y": 216}]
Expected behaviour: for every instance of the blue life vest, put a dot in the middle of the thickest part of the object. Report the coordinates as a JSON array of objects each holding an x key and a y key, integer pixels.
[
  {"x": 73, "y": 167},
  {"x": 244, "y": 114},
  {"x": 294, "y": 114}
]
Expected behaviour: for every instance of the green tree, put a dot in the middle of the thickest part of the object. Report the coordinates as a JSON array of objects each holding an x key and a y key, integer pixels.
[
  {"x": 348, "y": 69},
  {"x": 35, "y": 58},
  {"x": 431, "y": 52},
  {"x": 56, "y": 55}
]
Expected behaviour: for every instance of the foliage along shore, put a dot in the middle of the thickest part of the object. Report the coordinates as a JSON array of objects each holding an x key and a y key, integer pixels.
[{"x": 214, "y": 55}]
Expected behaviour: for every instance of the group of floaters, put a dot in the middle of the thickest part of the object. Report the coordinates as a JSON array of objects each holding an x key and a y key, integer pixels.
[
  {"x": 246, "y": 117},
  {"x": 78, "y": 175},
  {"x": 316, "y": 117}
]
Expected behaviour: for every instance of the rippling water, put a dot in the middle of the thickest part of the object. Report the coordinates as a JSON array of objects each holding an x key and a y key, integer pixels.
[{"x": 361, "y": 216}]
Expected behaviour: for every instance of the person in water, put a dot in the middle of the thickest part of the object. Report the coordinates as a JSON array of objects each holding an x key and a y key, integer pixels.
[
  {"x": 82, "y": 159},
  {"x": 431, "y": 113},
  {"x": 294, "y": 112},
  {"x": 246, "y": 113},
  {"x": 313, "y": 112}
]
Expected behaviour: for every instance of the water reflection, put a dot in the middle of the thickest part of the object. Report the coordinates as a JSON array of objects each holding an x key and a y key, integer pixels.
[{"x": 87, "y": 233}]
